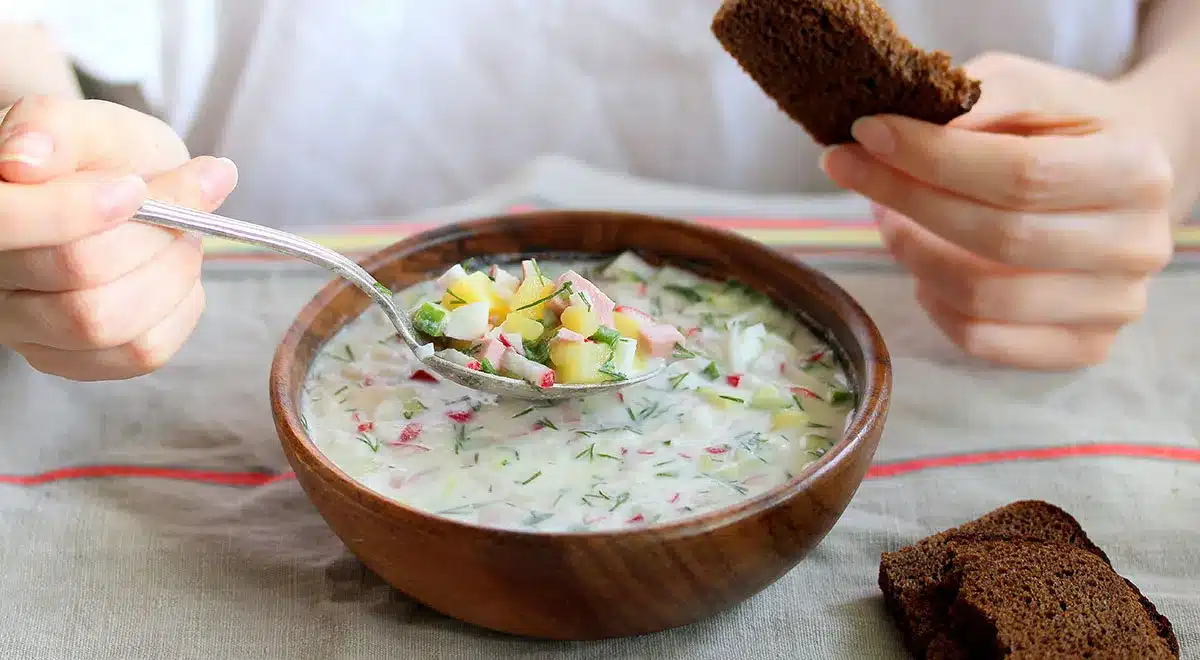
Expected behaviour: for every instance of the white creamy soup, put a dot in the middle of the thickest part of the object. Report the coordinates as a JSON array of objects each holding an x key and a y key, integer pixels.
[{"x": 750, "y": 398}]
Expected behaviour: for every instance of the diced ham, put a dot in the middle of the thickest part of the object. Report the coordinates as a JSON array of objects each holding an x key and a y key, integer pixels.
[
  {"x": 602, "y": 305},
  {"x": 659, "y": 340},
  {"x": 568, "y": 335},
  {"x": 492, "y": 350},
  {"x": 635, "y": 313}
]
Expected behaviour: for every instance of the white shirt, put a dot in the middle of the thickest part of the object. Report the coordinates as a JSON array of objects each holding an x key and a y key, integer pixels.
[{"x": 372, "y": 108}]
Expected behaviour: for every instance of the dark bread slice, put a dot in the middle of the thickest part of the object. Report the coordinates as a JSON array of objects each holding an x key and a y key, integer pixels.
[
  {"x": 827, "y": 63},
  {"x": 1029, "y": 599},
  {"x": 920, "y": 583},
  {"x": 913, "y": 579}
]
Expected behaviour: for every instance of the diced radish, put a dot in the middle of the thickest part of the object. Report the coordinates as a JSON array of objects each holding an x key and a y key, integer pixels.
[
  {"x": 410, "y": 432},
  {"x": 733, "y": 379},
  {"x": 601, "y": 305},
  {"x": 636, "y": 519},
  {"x": 504, "y": 279},
  {"x": 467, "y": 322},
  {"x": 460, "y": 358},
  {"x": 492, "y": 350},
  {"x": 659, "y": 340},
  {"x": 568, "y": 335},
  {"x": 529, "y": 270},
  {"x": 746, "y": 345},
  {"x": 366, "y": 427},
  {"x": 514, "y": 341},
  {"x": 460, "y": 416},
  {"x": 423, "y": 351},
  {"x": 624, "y": 352},
  {"x": 450, "y": 277},
  {"x": 628, "y": 262},
  {"x": 805, "y": 392},
  {"x": 527, "y": 370}
]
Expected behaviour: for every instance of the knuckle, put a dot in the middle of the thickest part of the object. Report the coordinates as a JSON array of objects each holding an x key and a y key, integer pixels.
[
  {"x": 75, "y": 268},
  {"x": 147, "y": 354},
  {"x": 1159, "y": 179},
  {"x": 985, "y": 297},
  {"x": 1029, "y": 180},
  {"x": 88, "y": 322},
  {"x": 1012, "y": 236}
]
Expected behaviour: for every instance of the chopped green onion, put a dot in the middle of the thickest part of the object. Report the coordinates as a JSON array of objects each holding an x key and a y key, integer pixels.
[
  {"x": 687, "y": 293},
  {"x": 430, "y": 318},
  {"x": 565, "y": 288},
  {"x": 606, "y": 335},
  {"x": 677, "y": 380},
  {"x": 710, "y": 372}
]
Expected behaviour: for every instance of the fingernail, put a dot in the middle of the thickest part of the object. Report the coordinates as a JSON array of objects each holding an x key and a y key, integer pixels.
[
  {"x": 874, "y": 135},
  {"x": 217, "y": 178},
  {"x": 32, "y": 149},
  {"x": 843, "y": 167},
  {"x": 121, "y": 198}
]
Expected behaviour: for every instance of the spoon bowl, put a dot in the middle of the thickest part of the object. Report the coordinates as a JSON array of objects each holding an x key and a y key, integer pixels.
[{"x": 185, "y": 219}]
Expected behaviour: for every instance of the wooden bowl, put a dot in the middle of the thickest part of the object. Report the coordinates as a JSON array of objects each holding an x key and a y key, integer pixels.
[{"x": 579, "y": 586}]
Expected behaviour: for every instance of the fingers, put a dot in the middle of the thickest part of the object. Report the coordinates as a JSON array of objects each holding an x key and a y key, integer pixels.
[
  {"x": 66, "y": 209},
  {"x": 202, "y": 183},
  {"x": 1089, "y": 241},
  {"x": 42, "y": 138},
  {"x": 1037, "y": 173},
  {"x": 1035, "y": 347},
  {"x": 106, "y": 316},
  {"x": 987, "y": 291},
  {"x": 147, "y": 353}
]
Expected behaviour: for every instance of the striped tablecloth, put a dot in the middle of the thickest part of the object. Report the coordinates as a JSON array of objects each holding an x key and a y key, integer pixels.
[{"x": 156, "y": 518}]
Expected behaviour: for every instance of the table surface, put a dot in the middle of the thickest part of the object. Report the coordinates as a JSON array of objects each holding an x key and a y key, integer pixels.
[{"x": 156, "y": 518}]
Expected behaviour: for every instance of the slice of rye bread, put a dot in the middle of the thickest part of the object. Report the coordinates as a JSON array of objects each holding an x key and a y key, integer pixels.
[
  {"x": 1031, "y": 599},
  {"x": 913, "y": 579},
  {"x": 827, "y": 63},
  {"x": 917, "y": 581}
]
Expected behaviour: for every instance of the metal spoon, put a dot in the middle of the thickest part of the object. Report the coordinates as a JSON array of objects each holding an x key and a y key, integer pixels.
[{"x": 178, "y": 217}]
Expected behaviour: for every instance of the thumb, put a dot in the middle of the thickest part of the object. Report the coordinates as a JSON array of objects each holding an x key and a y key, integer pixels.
[
  {"x": 202, "y": 183},
  {"x": 1025, "y": 97}
]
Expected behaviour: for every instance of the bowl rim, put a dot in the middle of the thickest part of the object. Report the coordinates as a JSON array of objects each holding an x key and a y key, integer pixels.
[{"x": 870, "y": 411}]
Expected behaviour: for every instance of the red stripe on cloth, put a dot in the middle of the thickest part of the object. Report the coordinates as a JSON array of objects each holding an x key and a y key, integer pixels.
[
  {"x": 215, "y": 477},
  {"x": 877, "y": 471},
  {"x": 1161, "y": 452}
]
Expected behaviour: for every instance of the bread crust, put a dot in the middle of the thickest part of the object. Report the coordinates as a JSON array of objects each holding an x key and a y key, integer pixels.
[{"x": 827, "y": 63}]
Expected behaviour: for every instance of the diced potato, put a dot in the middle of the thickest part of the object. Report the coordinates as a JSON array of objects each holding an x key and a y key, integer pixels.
[
  {"x": 522, "y": 325},
  {"x": 626, "y": 325},
  {"x": 528, "y": 293},
  {"x": 580, "y": 319},
  {"x": 579, "y": 362},
  {"x": 790, "y": 418},
  {"x": 475, "y": 287}
]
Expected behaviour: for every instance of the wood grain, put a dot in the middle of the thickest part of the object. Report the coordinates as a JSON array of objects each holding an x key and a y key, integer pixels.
[{"x": 590, "y": 585}]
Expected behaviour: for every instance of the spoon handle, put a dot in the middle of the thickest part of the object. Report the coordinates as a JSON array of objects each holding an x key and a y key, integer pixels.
[{"x": 178, "y": 217}]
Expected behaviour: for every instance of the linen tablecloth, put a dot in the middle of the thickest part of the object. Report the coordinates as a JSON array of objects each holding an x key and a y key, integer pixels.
[{"x": 156, "y": 518}]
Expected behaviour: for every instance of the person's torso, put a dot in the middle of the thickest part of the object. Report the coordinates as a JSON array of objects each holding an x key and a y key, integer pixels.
[{"x": 336, "y": 111}]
